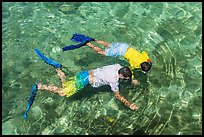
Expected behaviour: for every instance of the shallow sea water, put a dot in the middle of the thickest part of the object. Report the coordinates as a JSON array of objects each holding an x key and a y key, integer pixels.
[{"x": 169, "y": 98}]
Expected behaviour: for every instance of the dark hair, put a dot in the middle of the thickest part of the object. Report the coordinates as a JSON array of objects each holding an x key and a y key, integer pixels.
[
  {"x": 146, "y": 66},
  {"x": 125, "y": 71}
]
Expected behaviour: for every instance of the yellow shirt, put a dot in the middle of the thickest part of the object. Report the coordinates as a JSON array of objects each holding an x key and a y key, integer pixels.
[{"x": 135, "y": 58}]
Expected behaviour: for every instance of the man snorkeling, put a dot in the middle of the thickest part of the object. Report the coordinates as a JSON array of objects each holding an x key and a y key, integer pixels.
[
  {"x": 134, "y": 57},
  {"x": 106, "y": 75}
]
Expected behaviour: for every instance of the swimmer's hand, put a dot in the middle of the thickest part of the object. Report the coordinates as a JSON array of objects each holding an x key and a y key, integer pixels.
[
  {"x": 135, "y": 82},
  {"x": 133, "y": 107}
]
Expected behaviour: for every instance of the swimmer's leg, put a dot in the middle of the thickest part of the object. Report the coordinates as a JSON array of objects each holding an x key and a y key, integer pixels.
[
  {"x": 61, "y": 75},
  {"x": 95, "y": 48},
  {"x": 104, "y": 43},
  {"x": 51, "y": 88}
]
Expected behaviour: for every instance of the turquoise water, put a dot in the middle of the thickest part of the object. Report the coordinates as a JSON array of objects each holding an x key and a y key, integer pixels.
[{"x": 169, "y": 98}]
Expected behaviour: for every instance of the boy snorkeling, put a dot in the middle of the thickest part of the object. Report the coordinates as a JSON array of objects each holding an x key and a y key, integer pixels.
[
  {"x": 106, "y": 75},
  {"x": 133, "y": 56}
]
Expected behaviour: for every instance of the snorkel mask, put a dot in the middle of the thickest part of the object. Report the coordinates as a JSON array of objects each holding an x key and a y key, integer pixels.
[{"x": 146, "y": 67}]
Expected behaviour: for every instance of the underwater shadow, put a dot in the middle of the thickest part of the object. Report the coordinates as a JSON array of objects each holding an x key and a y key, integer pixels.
[
  {"x": 89, "y": 92},
  {"x": 139, "y": 75}
]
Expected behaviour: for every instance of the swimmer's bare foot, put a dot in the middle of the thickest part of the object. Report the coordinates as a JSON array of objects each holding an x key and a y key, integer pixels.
[{"x": 39, "y": 85}]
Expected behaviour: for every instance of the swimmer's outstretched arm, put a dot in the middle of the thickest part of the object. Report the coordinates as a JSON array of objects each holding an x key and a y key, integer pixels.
[{"x": 125, "y": 101}]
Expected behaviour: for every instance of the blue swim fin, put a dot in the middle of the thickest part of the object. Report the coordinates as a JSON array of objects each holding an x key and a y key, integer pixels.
[
  {"x": 71, "y": 47},
  {"x": 78, "y": 38},
  {"x": 81, "y": 38},
  {"x": 48, "y": 60},
  {"x": 31, "y": 100}
]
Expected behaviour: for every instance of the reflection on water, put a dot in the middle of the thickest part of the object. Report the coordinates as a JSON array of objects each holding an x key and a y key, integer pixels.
[{"x": 169, "y": 98}]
